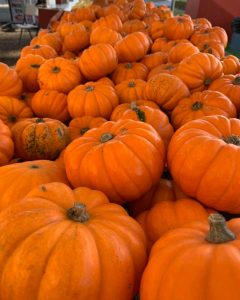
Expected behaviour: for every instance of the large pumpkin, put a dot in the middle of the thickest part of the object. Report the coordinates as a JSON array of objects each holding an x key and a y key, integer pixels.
[
  {"x": 71, "y": 245},
  {"x": 24, "y": 176},
  {"x": 10, "y": 83},
  {"x": 6, "y": 144},
  {"x": 96, "y": 99},
  {"x": 39, "y": 138},
  {"x": 203, "y": 157},
  {"x": 98, "y": 61},
  {"x": 123, "y": 159},
  {"x": 195, "y": 263},
  {"x": 202, "y": 104}
]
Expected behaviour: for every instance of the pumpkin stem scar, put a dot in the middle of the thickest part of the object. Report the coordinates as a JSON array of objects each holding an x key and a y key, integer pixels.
[
  {"x": 78, "y": 213},
  {"x": 105, "y": 137},
  {"x": 197, "y": 105},
  {"x": 219, "y": 232},
  {"x": 232, "y": 139}
]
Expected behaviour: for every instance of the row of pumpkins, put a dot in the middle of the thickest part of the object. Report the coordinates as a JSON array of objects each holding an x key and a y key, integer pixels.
[{"x": 119, "y": 130}]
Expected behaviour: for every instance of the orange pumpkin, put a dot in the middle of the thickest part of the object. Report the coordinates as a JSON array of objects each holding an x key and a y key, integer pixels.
[
  {"x": 182, "y": 259},
  {"x": 216, "y": 34},
  {"x": 213, "y": 177},
  {"x": 178, "y": 27},
  {"x": 10, "y": 83},
  {"x": 73, "y": 234},
  {"x": 96, "y": 99},
  {"x": 137, "y": 10},
  {"x": 154, "y": 59},
  {"x": 13, "y": 110},
  {"x": 166, "y": 90},
  {"x": 199, "y": 70},
  {"x": 132, "y": 47},
  {"x": 98, "y": 61},
  {"x": 200, "y": 23},
  {"x": 168, "y": 68},
  {"x": 212, "y": 47},
  {"x": 126, "y": 71},
  {"x": 24, "y": 176},
  {"x": 105, "y": 159},
  {"x": 37, "y": 138},
  {"x": 50, "y": 104},
  {"x": 6, "y": 144},
  {"x": 43, "y": 50},
  {"x": 59, "y": 74},
  {"x": 104, "y": 35},
  {"x": 231, "y": 65},
  {"x": 180, "y": 51},
  {"x": 201, "y": 104},
  {"x": 145, "y": 111},
  {"x": 77, "y": 39},
  {"x": 111, "y": 21},
  {"x": 131, "y": 26},
  {"x": 27, "y": 68},
  {"x": 78, "y": 126},
  {"x": 156, "y": 29},
  {"x": 51, "y": 39},
  {"x": 130, "y": 90},
  {"x": 84, "y": 13}
]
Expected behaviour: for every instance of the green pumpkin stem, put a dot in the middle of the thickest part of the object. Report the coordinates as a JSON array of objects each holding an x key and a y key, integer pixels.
[
  {"x": 78, "y": 213},
  {"x": 89, "y": 88},
  {"x": 56, "y": 69},
  {"x": 139, "y": 112},
  {"x": 105, "y": 137},
  {"x": 197, "y": 105},
  {"x": 131, "y": 84},
  {"x": 128, "y": 66},
  {"x": 83, "y": 130},
  {"x": 232, "y": 139},
  {"x": 39, "y": 120},
  {"x": 208, "y": 81},
  {"x": 219, "y": 232}
]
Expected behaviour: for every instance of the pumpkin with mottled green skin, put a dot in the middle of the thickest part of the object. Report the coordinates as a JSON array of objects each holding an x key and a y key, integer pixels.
[{"x": 40, "y": 138}]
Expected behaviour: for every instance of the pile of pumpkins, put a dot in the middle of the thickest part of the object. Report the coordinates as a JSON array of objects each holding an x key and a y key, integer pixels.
[{"x": 119, "y": 152}]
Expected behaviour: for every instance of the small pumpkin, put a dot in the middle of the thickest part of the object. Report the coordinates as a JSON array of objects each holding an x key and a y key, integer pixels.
[
  {"x": 104, "y": 35},
  {"x": 77, "y": 39},
  {"x": 178, "y": 27},
  {"x": 43, "y": 50},
  {"x": 156, "y": 29},
  {"x": 180, "y": 51},
  {"x": 168, "y": 68},
  {"x": 134, "y": 25},
  {"x": 200, "y": 23},
  {"x": 111, "y": 21},
  {"x": 51, "y": 39},
  {"x": 212, "y": 47},
  {"x": 130, "y": 90},
  {"x": 84, "y": 13},
  {"x": 213, "y": 34},
  {"x": 231, "y": 65},
  {"x": 10, "y": 83},
  {"x": 138, "y": 9},
  {"x": 40, "y": 138},
  {"x": 154, "y": 59},
  {"x": 6, "y": 144}
]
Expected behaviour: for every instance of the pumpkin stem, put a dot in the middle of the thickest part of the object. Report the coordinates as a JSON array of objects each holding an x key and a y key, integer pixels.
[
  {"x": 232, "y": 139},
  {"x": 105, "y": 137},
  {"x": 89, "y": 88},
  {"x": 78, "y": 213},
  {"x": 12, "y": 119},
  {"x": 83, "y": 130},
  {"x": 35, "y": 66},
  {"x": 128, "y": 66},
  {"x": 197, "y": 105},
  {"x": 208, "y": 81},
  {"x": 39, "y": 120},
  {"x": 219, "y": 232},
  {"x": 56, "y": 69},
  {"x": 236, "y": 81},
  {"x": 139, "y": 112},
  {"x": 131, "y": 83},
  {"x": 34, "y": 167},
  {"x": 36, "y": 46}
]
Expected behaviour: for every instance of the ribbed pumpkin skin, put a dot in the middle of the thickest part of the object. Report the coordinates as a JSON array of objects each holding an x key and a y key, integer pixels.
[
  {"x": 183, "y": 265},
  {"x": 13, "y": 110},
  {"x": 50, "y": 104},
  {"x": 229, "y": 85},
  {"x": 168, "y": 68},
  {"x": 24, "y": 176},
  {"x": 43, "y": 50},
  {"x": 10, "y": 83},
  {"x": 27, "y": 68},
  {"x": 213, "y": 178},
  {"x": 130, "y": 90},
  {"x": 6, "y": 144},
  {"x": 38, "y": 138},
  {"x": 78, "y": 126},
  {"x": 145, "y": 111},
  {"x": 89, "y": 253},
  {"x": 231, "y": 65},
  {"x": 178, "y": 27},
  {"x": 202, "y": 104},
  {"x": 112, "y": 21},
  {"x": 180, "y": 51},
  {"x": 154, "y": 59},
  {"x": 212, "y": 47},
  {"x": 132, "y": 47},
  {"x": 216, "y": 34},
  {"x": 112, "y": 166},
  {"x": 199, "y": 70},
  {"x": 104, "y": 35},
  {"x": 98, "y": 61},
  {"x": 59, "y": 74},
  {"x": 96, "y": 99},
  {"x": 77, "y": 39}
]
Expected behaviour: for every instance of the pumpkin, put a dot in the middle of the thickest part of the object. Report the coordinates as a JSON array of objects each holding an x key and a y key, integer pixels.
[
  {"x": 126, "y": 71},
  {"x": 163, "y": 11},
  {"x": 10, "y": 83},
  {"x": 178, "y": 27},
  {"x": 154, "y": 59},
  {"x": 163, "y": 190},
  {"x": 27, "y": 68},
  {"x": 26, "y": 98},
  {"x": 164, "y": 45},
  {"x": 149, "y": 19},
  {"x": 39, "y": 138},
  {"x": 6, "y": 144},
  {"x": 78, "y": 126},
  {"x": 132, "y": 47},
  {"x": 98, "y": 61},
  {"x": 156, "y": 29},
  {"x": 13, "y": 110},
  {"x": 212, "y": 47},
  {"x": 145, "y": 111},
  {"x": 104, "y": 35},
  {"x": 73, "y": 234},
  {"x": 43, "y": 50},
  {"x": 166, "y": 90},
  {"x": 229, "y": 85},
  {"x": 77, "y": 39},
  {"x": 200, "y": 23},
  {"x": 180, "y": 51},
  {"x": 167, "y": 215},
  {"x": 213, "y": 177},
  {"x": 96, "y": 99},
  {"x": 131, "y": 26},
  {"x": 199, "y": 70},
  {"x": 138, "y": 9},
  {"x": 105, "y": 158},
  {"x": 111, "y": 21},
  {"x": 59, "y": 74},
  {"x": 24, "y": 176},
  {"x": 168, "y": 68},
  {"x": 231, "y": 65},
  {"x": 84, "y": 13},
  {"x": 50, "y": 104},
  {"x": 182, "y": 259},
  {"x": 201, "y": 104},
  {"x": 87, "y": 24},
  {"x": 130, "y": 90},
  {"x": 213, "y": 34},
  {"x": 51, "y": 39}
]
